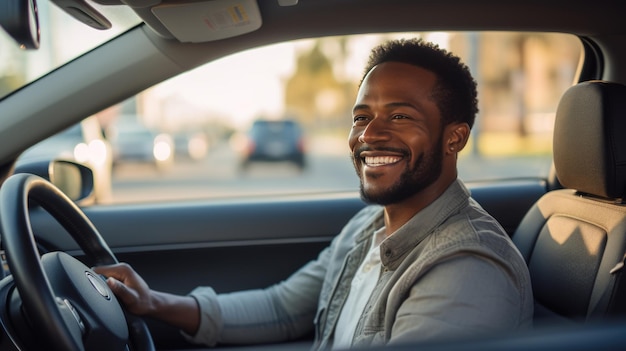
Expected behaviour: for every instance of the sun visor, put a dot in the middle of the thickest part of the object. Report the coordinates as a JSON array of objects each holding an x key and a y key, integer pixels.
[{"x": 198, "y": 22}]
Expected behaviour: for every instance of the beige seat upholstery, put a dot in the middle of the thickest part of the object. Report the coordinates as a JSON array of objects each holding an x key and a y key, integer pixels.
[{"x": 574, "y": 239}]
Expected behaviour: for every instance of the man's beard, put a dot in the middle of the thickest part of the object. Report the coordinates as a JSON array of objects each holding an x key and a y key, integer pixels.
[{"x": 425, "y": 171}]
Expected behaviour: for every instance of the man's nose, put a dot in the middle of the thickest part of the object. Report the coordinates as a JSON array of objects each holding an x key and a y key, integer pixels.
[{"x": 374, "y": 132}]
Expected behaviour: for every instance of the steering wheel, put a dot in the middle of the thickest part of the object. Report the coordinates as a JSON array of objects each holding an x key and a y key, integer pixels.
[{"x": 57, "y": 296}]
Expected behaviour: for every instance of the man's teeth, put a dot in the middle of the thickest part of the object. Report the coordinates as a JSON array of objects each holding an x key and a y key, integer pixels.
[{"x": 381, "y": 160}]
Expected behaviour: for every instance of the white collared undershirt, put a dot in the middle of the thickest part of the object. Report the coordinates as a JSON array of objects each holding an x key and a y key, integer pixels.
[{"x": 361, "y": 288}]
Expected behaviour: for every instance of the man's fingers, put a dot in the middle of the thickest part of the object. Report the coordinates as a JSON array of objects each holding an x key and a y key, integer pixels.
[
  {"x": 120, "y": 290},
  {"x": 119, "y": 271},
  {"x": 127, "y": 286},
  {"x": 127, "y": 296}
]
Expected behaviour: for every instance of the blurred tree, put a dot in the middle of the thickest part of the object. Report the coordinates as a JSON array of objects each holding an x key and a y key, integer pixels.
[
  {"x": 10, "y": 83},
  {"x": 313, "y": 93}
]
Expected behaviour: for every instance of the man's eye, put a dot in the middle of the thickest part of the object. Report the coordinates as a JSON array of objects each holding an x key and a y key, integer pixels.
[
  {"x": 399, "y": 116},
  {"x": 357, "y": 119}
]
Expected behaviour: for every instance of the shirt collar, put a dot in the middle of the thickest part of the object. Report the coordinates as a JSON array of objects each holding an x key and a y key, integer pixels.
[{"x": 409, "y": 235}]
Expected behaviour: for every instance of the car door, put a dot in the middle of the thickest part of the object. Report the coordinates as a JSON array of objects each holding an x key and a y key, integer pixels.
[{"x": 233, "y": 245}]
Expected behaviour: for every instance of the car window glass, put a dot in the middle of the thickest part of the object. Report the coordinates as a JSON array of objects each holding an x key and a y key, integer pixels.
[
  {"x": 60, "y": 43},
  {"x": 275, "y": 120}
]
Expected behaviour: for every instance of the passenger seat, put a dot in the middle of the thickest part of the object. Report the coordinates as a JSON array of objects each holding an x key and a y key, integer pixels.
[{"x": 574, "y": 239}]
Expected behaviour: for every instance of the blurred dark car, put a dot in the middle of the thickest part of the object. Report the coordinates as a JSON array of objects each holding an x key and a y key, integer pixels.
[{"x": 275, "y": 141}]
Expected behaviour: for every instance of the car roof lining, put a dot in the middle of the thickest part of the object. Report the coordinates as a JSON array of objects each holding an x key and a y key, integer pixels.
[{"x": 575, "y": 17}]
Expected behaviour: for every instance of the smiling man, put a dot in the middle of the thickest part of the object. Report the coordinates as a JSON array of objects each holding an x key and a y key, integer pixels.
[
  {"x": 447, "y": 268},
  {"x": 423, "y": 262}
]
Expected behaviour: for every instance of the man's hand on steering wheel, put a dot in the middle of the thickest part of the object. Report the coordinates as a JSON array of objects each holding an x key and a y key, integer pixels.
[{"x": 129, "y": 287}]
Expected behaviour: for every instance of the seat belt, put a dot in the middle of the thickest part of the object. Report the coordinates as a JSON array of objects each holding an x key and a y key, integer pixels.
[
  {"x": 617, "y": 304},
  {"x": 613, "y": 301}
]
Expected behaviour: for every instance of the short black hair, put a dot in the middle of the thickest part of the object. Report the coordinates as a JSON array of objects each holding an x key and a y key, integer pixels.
[{"x": 455, "y": 91}]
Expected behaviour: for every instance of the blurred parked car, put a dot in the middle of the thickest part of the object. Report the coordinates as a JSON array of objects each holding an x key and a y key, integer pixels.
[
  {"x": 133, "y": 142},
  {"x": 85, "y": 143},
  {"x": 274, "y": 141}
]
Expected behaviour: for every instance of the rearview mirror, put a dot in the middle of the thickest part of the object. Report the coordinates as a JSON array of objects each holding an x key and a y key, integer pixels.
[{"x": 20, "y": 20}]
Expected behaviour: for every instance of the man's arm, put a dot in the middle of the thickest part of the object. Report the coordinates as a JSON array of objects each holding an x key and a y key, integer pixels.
[{"x": 462, "y": 297}]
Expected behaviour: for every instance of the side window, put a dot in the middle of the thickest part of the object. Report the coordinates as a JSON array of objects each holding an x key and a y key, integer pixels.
[
  {"x": 521, "y": 78},
  {"x": 275, "y": 120}
]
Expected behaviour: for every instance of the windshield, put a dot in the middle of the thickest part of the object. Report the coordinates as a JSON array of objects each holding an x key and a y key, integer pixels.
[{"x": 62, "y": 39}]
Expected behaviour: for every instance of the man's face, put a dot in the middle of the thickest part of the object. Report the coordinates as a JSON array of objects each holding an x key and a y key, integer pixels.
[{"x": 396, "y": 137}]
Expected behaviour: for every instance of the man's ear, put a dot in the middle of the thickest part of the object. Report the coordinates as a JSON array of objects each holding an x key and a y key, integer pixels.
[{"x": 457, "y": 135}]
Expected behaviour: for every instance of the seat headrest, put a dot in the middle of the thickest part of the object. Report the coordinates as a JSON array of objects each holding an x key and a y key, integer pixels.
[{"x": 590, "y": 139}]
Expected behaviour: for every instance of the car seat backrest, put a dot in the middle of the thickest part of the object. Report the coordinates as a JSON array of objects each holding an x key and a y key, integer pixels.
[{"x": 574, "y": 239}]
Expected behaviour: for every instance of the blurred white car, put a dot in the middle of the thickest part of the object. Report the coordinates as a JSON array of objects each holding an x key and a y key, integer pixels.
[
  {"x": 190, "y": 145},
  {"x": 133, "y": 142},
  {"x": 85, "y": 143}
]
